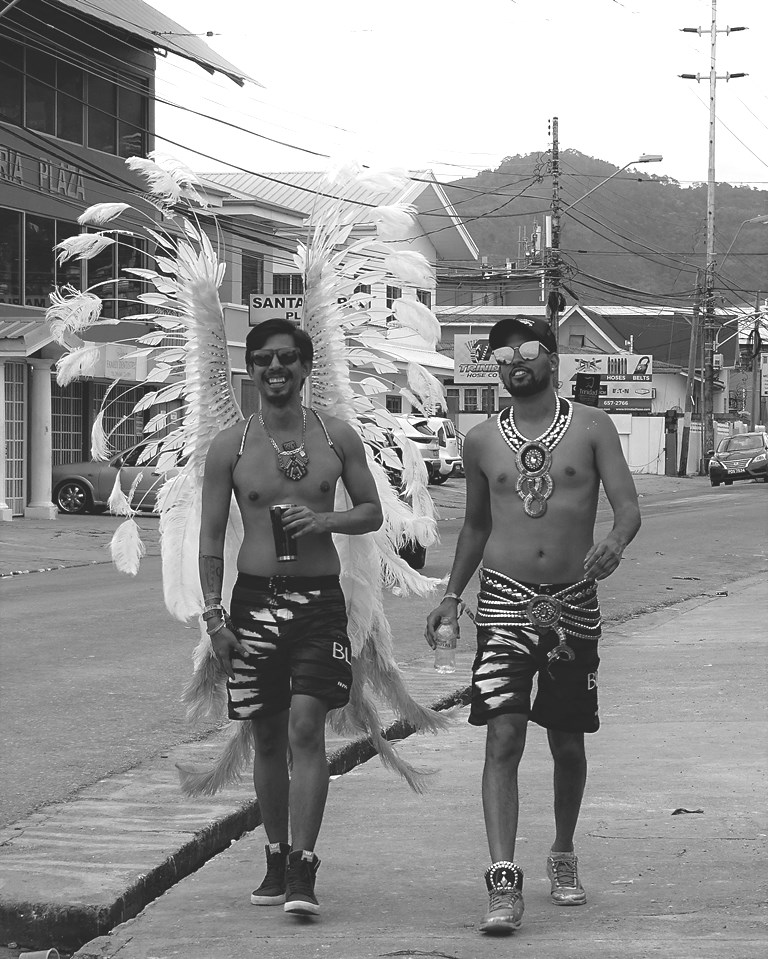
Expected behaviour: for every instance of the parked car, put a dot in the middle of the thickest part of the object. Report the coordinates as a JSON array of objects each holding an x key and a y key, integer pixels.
[
  {"x": 417, "y": 429},
  {"x": 84, "y": 487},
  {"x": 450, "y": 459},
  {"x": 741, "y": 456}
]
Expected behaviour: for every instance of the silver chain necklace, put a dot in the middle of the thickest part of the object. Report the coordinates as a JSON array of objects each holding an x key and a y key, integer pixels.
[
  {"x": 292, "y": 459},
  {"x": 533, "y": 458}
]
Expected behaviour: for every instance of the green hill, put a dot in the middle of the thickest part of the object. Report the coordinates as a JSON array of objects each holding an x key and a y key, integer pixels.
[{"x": 638, "y": 239}]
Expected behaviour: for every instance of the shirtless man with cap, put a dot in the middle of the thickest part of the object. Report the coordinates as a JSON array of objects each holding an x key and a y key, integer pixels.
[{"x": 533, "y": 476}]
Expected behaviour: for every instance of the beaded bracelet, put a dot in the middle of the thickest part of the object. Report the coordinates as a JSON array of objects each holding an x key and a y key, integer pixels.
[{"x": 217, "y": 627}]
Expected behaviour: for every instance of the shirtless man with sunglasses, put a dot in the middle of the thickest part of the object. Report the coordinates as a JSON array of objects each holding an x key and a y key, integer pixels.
[
  {"x": 283, "y": 642},
  {"x": 533, "y": 475}
]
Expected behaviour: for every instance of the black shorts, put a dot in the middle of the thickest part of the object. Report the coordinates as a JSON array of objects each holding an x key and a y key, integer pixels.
[
  {"x": 295, "y": 631},
  {"x": 510, "y": 654}
]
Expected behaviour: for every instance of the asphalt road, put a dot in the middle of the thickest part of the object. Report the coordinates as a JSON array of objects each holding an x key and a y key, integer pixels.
[{"x": 92, "y": 666}]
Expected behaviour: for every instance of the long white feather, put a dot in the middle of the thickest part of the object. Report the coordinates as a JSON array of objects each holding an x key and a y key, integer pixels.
[
  {"x": 71, "y": 312},
  {"x": 411, "y": 267},
  {"x": 419, "y": 318},
  {"x": 84, "y": 246},
  {"x": 101, "y": 213},
  {"x": 77, "y": 364},
  {"x": 395, "y": 222},
  {"x": 427, "y": 387},
  {"x": 118, "y": 503},
  {"x": 100, "y": 449},
  {"x": 127, "y": 548}
]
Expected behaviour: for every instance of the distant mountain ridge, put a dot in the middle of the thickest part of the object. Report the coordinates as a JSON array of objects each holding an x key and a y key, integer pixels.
[{"x": 638, "y": 239}]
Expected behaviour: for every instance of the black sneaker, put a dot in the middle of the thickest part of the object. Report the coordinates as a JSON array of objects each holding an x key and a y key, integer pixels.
[
  {"x": 505, "y": 894},
  {"x": 300, "y": 896},
  {"x": 272, "y": 890}
]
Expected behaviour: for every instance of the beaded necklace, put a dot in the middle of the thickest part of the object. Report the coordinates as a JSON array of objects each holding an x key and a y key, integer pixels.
[
  {"x": 534, "y": 457},
  {"x": 292, "y": 459}
]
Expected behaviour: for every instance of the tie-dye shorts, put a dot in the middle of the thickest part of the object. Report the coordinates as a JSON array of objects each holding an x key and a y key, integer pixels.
[
  {"x": 510, "y": 655},
  {"x": 295, "y": 631}
]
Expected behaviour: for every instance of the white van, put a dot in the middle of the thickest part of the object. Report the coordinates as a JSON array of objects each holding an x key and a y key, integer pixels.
[{"x": 450, "y": 459}]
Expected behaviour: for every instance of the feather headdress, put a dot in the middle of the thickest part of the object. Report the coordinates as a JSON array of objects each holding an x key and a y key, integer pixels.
[{"x": 188, "y": 364}]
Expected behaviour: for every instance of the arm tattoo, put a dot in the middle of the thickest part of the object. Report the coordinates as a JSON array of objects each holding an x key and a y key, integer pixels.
[{"x": 211, "y": 577}]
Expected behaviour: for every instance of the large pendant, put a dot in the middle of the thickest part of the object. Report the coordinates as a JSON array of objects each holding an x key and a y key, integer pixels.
[
  {"x": 543, "y": 612},
  {"x": 293, "y": 461},
  {"x": 533, "y": 458}
]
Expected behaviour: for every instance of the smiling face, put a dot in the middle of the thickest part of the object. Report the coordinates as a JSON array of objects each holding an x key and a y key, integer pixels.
[
  {"x": 527, "y": 377},
  {"x": 278, "y": 382}
]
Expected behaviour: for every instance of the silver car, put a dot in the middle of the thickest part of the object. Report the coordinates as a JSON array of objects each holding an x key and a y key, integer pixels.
[{"x": 85, "y": 487}]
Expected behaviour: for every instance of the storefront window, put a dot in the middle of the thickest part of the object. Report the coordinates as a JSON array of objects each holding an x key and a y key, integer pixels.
[
  {"x": 102, "y": 110},
  {"x": 11, "y": 81},
  {"x": 252, "y": 275},
  {"x": 106, "y": 277},
  {"x": 10, "y": 256},
  {"x": 71, "y": 271},
  {"x": 41, "y": 92},
  {"x": 39, "y": 260},
  {"x": 101, "y": 279},
  {"x": 130, "y": 254},
  {"x": 132, "y": 119},
  {"x": 69, "y": 103}
]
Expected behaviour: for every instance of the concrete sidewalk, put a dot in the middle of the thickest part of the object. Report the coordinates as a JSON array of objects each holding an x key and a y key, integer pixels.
[{"x": 684, "y": 724}]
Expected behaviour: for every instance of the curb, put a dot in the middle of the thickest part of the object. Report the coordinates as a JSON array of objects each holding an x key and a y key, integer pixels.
[{"x": 71, "y": 926}]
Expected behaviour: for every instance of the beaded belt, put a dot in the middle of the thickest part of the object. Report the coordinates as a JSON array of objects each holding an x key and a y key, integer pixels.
[{"x": 503, "y": 602}]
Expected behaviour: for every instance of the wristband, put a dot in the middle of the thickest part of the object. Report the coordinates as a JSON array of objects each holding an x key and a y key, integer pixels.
[
  {"x": 212, "y": 609},
  {"x": 217, "y": 627},
  {"x": 453, "y": 596}
]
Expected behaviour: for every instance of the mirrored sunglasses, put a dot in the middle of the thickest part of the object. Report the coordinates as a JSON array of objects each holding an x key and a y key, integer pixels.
[
  {"x": 284, "y": 357},
  {"x": 529, "y": 350}
]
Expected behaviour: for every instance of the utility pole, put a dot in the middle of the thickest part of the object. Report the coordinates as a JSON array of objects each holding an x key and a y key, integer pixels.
[
  {"x": 710, "y": 323},
  {"x": 685, "y": 441},
  {"x": 555, "y": 300},
  {"x": 755, "y": 350}
]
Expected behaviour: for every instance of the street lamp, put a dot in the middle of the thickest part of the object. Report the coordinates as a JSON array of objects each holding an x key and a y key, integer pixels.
[
  {"x": 644, "y": 158},
  {"x": 753, "y": 219}
]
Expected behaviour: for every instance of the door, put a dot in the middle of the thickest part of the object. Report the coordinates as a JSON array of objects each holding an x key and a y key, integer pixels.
[{"x": 15, "y": 432}]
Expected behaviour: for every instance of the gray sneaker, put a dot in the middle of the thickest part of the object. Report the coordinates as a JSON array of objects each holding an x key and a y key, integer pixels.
[
  {"x": 563, "y": 873},
  {"x": 505, "y": 893}
]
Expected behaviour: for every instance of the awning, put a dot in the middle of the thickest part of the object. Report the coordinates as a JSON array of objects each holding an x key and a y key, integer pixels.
[{"x": 141, "y": 20}]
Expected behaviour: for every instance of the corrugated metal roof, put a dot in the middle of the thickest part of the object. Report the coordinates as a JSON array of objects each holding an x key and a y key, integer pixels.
[
  {"x": 141, "y": 20},
  {"x": 306, "y": 192}
]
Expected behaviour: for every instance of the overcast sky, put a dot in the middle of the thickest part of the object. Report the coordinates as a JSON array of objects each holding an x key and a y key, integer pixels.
[{"x": 456, "y": 85}]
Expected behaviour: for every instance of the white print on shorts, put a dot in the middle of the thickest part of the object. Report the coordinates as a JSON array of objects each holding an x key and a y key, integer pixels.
[
  {"x": 340, "y": 651},
  {"x": 592, "y": 680}
]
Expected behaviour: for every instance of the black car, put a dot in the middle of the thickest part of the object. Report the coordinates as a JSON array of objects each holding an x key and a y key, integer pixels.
[{"x": 741, "y": 456}]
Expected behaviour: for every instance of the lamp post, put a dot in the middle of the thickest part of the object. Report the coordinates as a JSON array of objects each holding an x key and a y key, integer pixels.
[
  {"x": 752, "y": 219},
  {"x": 644, "y": 158},
  {"x": 555, "y": 299}
]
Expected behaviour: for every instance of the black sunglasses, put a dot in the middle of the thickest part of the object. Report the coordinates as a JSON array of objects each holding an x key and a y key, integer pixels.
[{"x": 284, "y": 357}]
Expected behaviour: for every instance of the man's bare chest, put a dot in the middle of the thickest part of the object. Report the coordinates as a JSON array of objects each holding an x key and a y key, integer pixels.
[{"x": 262, "y": 477}]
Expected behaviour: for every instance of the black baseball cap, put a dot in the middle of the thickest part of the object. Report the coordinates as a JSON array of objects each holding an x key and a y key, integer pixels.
[{"x": 534, "y": 329}]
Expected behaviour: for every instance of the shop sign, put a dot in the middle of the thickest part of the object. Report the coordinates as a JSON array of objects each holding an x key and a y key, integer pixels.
[
  {"x": 625, "y": 377},
  {"x": 472, "y": 360},
  {"x": 263, "y": 307},
  {"x": 42, "y": 173}
]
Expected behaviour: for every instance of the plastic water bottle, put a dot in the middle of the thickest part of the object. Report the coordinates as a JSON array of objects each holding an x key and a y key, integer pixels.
[{"x": 446, "y": 637}]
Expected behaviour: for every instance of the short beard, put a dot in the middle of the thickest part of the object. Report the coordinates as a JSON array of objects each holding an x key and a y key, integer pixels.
[
  {"x": 279, "y": 401},
  {"x": 531, "y": 387}
]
